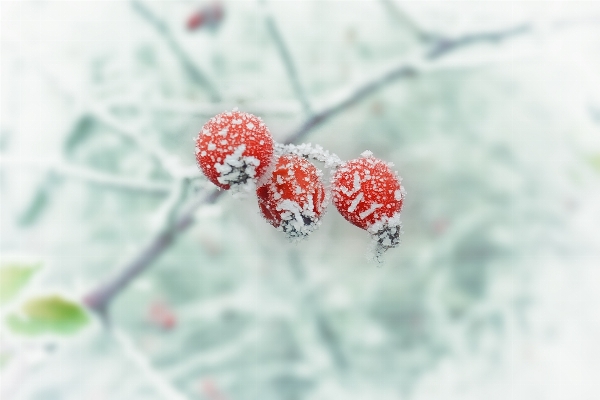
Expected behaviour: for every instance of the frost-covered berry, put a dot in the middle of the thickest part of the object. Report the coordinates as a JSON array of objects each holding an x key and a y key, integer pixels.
[
  {"x": 367, "y": 193},
  {"x": 234, "y": 149},
  {"x": 292, "y": 199}
]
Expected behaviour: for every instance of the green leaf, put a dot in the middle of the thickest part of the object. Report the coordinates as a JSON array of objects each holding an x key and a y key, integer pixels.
[
  {"x": 50, "y": 314},
  {"x": 13, "y": 278}
]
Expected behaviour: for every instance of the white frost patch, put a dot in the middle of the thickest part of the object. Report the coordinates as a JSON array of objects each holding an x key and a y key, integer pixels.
[
  {"x": 307, "y": 150},
  {"x": 355, "y": 202},
  {"x": 211, "y": 146},
  {"x": 367, "y": 153},
  {"x": 385, "y": 234},
  {"x": 356, "y": 186},
  {"x": 297, "y": 222},
  {"x": 223, "y": 132},
  {"x": 250, "y": 125},
  {"x": 370, "y": 211},
  {"x": 238, "y": 171}
]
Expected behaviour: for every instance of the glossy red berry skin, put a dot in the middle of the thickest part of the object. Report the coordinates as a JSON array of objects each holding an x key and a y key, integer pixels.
[
  {"x": 293, "y": 197},
  {"x": 233, "y": 148},
  {"x": 366, "y": 191}
]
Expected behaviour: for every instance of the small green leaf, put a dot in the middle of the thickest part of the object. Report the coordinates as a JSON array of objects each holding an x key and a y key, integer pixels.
[
  {"x": 13, "y": 278},
  {"x": 50, "y": 314}
]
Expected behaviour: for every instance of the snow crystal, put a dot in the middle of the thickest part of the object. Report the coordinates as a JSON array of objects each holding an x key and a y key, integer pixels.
[
  {"x": 370, "y": 211},
  {"x": 238, "y": 171},
  {"x": 224, "y": 131},
  {"x": 306, "y": 150},
  {"x": 385, "y": 235},
  {"x": 250, "y": 125},
  {"x": 367, "y": 153},
  {"x": 355, "y": 202},
  {"x": 211, "y": 146}
]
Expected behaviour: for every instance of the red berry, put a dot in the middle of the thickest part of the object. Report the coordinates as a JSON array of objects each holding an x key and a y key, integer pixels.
[
  {"x": 234, "y": 148},
  {"x": 368, "y": 194},
  {"x": 292, "y": 198}
]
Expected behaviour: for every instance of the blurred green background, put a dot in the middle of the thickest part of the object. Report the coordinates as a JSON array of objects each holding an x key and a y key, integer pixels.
[{"x": 493, "y": 293}]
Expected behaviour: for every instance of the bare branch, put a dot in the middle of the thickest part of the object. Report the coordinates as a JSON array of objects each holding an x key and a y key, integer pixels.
[
  {"x": 99, "y": 298},
  {"x": 447, "y": 45},
  {"x": 399, "y": 15},
  {"x": 356, "y": 95},
  {"x": 193, "y": 70},
  {"x": 90, "y": 176},
  {"x": 144, "y": 366},
  {"x": 101, "y": 114},
  {"x": 288, "y": 62}
]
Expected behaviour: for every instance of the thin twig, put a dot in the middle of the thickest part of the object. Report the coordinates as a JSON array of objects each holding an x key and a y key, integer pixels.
[
  {"x": 401, "y": 16},
  {"x": 102, "y": 115},
  {"x": 356, "y": 95},
  {"x": 88, "y": 175},
  {"x": 193, "y": 70},
  {"x": 288, "y": 62},
  {"x": 446, "y": 45},
  {"x": 155, "y": 379},
  {"x": 99, "y": 298}
]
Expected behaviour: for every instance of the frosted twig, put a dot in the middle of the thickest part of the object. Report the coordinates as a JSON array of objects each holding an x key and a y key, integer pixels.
[
  {"x": 403, "y": 70},
  {"x": 307, "y": 150},
  {"x": 288, "y": 62},
  {"x": 88, "y": 175},
  {"x": 155, "y": 379},
  {"x": 100, "y": 297},
  {"x": 194, "y": 72},
  {"x": 101, "y": 114},
  {"x": 401, "y": 16},
  {"x": 446, "y": 45}
]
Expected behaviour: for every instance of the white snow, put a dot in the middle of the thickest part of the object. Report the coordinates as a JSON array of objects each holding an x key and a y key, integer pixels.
[
  {"x": 355, "y": 202},
  {"x": 370, "y": 211}
]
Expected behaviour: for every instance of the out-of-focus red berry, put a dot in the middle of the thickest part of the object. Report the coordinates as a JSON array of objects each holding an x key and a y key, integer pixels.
[
  {"x": 210, "y": 16},
  {"x": 161, "y": 315}
]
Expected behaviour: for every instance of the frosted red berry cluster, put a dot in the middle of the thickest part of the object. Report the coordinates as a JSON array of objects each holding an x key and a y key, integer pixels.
[{"x": 236, "y": 152}]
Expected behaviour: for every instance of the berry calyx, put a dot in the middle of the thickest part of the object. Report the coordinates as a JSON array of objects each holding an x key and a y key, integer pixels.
[
  {"x": 293, "y": 197},
  {"x": 234, "y": 149},
  {"x": 368, "y": 194}
]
